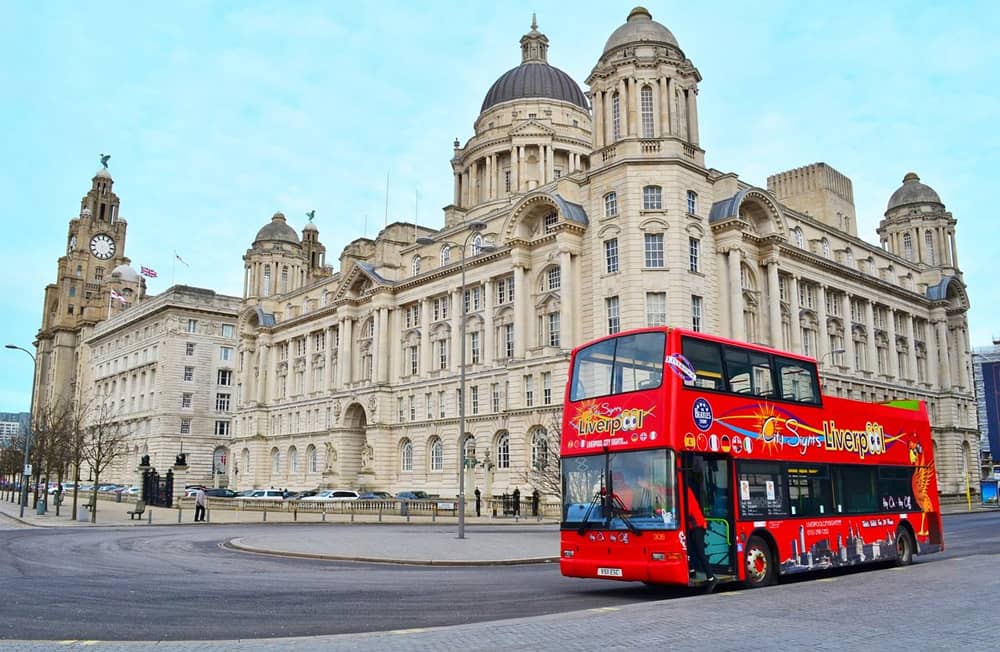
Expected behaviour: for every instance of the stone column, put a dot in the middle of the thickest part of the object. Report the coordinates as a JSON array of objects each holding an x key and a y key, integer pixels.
[
  {"x": 262, "y": 364},
  {"x": 944, "y": 360},
  {"x": 734, "y": 257},
  {"x": 664, "y": 107},
  {"x": 515, "y": 177},
  {"x": 953, "y": 249},
  {"x": 912, "y": 349},
  {"x": 550, "y": 162},
  {"x": 633, "y": 107},
  {"x": 609, "y": 122},
  {"x": 383, "y": 345},
  {"x": 488, "y": 351},
  {"x": 458, "y": 188},
  {"x": 623, "y": 107},
  {"x": 567, "y": 296},
  {"x": 671, "y": 108},
  {"x": 520, "y": 169},
  {"x": 598, "y": 108},
  {"x": 331, "y": 378},
  {"x": 774, "y": 304},
  {"x": 490, "y": 173},
  {"x": 425, "y": 337},
  {"x": 891, "y": 353},
  {"x": 466, "y": 190},
  {"x": 692, "y": 98},
  {"x": 796, "y": 325},
  {"x": 522, "y": 307},
  {"x": 823, "y": 331},
  {"x": 456, "y": 330},
  {"x": 346, "y": 354},
  {"x": 872, "y": 349},
  {"x": 848, "y": 331}
]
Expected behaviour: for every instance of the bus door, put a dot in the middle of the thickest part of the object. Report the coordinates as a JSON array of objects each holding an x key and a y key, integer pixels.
[{"x": 709, "y": 476}]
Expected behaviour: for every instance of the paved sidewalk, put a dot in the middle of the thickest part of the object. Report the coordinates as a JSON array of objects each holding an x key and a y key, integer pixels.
[{"x": 358, "y": 537}]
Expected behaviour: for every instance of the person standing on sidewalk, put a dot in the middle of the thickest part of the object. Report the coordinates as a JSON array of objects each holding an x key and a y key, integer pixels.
[
  {"x": 517, "y": 502},
  {"x": 479, "y": 501},
  {"x": 199, "y": 505}
]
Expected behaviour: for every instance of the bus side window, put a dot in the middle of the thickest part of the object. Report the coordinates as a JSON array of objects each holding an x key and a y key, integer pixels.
[{"x": 706, "y": 358}]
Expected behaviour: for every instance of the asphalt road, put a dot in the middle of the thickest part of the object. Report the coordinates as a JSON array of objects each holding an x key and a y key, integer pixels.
[{"x": 171, "y": 584}]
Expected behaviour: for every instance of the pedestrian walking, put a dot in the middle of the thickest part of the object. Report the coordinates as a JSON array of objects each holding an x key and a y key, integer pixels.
[
  {"x": 535, "y": 498},
  {"x": 199, "y": 505},
  {"x": 479, "y": 501},
  {"x": 517, "y": 502}
]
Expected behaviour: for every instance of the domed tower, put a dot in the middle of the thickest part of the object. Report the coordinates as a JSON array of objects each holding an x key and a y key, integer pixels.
[
  {"x": 534, "y": 127},
  {"x": 313, "y": 250},
  {"x": 274, "y": 263},
  {"x": 644, "y": 92},
  {"x": 918, "y": 228},
  {"x": 128, "y": 284}
]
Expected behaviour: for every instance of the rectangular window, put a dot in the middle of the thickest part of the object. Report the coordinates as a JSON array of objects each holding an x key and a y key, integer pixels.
[
  {"x": 694, "y": 254},
  {"x": 222, "y": 428},
  {"x": 504, "y": 290},
  {"x": 475, "y": 347},
  {"x": 474, "y": 398},
  {"x": 855, "y": 489},
  {"x": 440, "y": 308},
  {"x": 222, "y": 402},
  {"x": 399, "y": 409},
  {"x": 611, "y": 204},
  {"x": 652, "y": 198},
  {"x": 656, "y": 308},
  {"x": 810, "y": 492},
  {"x": 553, "y": 278},
  {"x": 611, "y": 255},
  {"x": 508, "y": 340},
  {"x": 611, "y": 308},
  {"x": 192, "y": 326},
  {"x": 186, "y": 400},
  {"x": 506, "y": 180},
  {"x": 228, "y": 330},
  {"x": 411, "y": 316},
  {"x": 695, "y": 312},
  {"x": 895, "y": 489},
  {"x": 226, "y": 353},
  {"x": 441, "y": 411},
  {"x": 547, "y": 387},
  {"x": 692, "y": 202},
  {"x": 473, "y": 299},
  {"x": 319, "y": 341},
  {"x": 551, "y": 329},
  {"x": 185, "y": 426},
  {"x": 188, "y": 373},
  {"x": 442, "y": 350},
  {"x": 429, "y": 405},
  {"x": 761, "y": 490},
  {"x": 413, "y": 407},
  {"x": 225, "y": 377},
  {"x": 529, "y": 391},
  {"x": 413, "y": 360},
  {"x": 189, "y": 349},
  {"x": 495, "y": 393},
  {"x": 654, "y": 250}
]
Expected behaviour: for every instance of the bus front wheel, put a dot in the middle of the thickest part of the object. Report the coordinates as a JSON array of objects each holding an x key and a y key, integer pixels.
[
  {"x": 758, "y": 563},
  {"x": 904, "y": 547}
]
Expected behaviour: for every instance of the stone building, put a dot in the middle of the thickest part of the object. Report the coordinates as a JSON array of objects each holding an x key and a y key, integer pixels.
[
  {"x": 167, "y": 369},
  {"x": 575, "y": 214}
]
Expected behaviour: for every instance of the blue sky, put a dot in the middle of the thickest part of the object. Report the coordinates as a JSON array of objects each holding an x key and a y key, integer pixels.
[{"x": 217, "y": 114}]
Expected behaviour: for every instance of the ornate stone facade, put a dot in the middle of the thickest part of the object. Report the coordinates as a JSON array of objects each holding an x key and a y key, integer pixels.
[{"x": 591, "y": 221}]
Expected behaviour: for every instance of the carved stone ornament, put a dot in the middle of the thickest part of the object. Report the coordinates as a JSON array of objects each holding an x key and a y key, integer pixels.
[
  {"x": 367, "y": 457},
  {"x": 336, "y": 409},
  {"x": 331, "y": 456}
]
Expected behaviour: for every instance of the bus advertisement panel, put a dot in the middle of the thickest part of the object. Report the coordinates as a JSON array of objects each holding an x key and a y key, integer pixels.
[{"x": 788, "y": 480}]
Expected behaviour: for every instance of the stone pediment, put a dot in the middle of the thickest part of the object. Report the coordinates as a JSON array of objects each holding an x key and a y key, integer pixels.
[
  {"x": 532, "y": 128},
  {"x": 361, "y": 278}
]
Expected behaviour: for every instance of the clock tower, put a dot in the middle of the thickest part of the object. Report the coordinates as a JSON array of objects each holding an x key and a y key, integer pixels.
[{"x": 93, "y": 265}]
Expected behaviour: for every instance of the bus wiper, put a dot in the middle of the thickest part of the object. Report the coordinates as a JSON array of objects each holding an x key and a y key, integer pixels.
[
  {"x": 590, "y": 510},
  {"x": 618, "y": 509}
]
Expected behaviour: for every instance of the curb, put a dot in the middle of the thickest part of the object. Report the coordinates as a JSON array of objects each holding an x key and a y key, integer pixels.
[{"x": 234, "y": 544}]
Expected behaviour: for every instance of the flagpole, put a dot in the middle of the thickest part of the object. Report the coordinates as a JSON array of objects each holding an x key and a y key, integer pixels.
[
  {"x": 109, "y": 303},
  {"x": 173, "y": 266}
]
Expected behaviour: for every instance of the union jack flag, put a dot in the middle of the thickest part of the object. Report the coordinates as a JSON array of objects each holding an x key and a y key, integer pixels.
[
  {"x": 147, "y": 271},
  {"x": 118, "y": 297}
]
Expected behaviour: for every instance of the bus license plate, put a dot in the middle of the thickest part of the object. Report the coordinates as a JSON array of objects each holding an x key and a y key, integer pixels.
[{"x": 609, "y": 572}]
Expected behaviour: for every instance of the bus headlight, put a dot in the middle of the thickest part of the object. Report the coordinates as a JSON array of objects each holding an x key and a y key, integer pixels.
[
  {"x": 567, "y": 553},
  {"x": 658, "y": 556}
]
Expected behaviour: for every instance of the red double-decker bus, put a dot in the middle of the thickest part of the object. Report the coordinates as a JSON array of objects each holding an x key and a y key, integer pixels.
[{"x": 788, "y": 480}]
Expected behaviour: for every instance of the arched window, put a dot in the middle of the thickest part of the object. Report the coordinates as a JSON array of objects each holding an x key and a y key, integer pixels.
[
  {"x": 477, "y": 245},
  {"x": 470, "y": 451},
  {"x": 406, "y": 456},
  {"x": 415, "y": 265},
  {"x": 850, "y": 258},
  {"x": 907, "y": 246},
  {"x": 266, "y": 290},
  {"x": 692, "y": 202},
  {"x": 311, "y": 459},
  {"x": 646, "y": 103},
  {"x": 293, "y": 460},
  {"x": 929, "y": 246},
  {"x": 652, "y": 198},
  {"x": 798, "y": 238},
  {"x": 616, "y": 116},
  {"x": 611, "y": 204},
  {"x": 825, "y": 245},
  {"x": 284, "y": 279},
  {"x": 275, "y": 461},
  {"x": 503, "y": 451},
  {"x": 445, "y": 254},
  {"x": 539, "y": 448},
  {"x": 437, "y": 454}
]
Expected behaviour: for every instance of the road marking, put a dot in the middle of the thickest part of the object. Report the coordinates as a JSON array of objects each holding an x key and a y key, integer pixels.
[
  {"x": 413, "y": 630},
  {"x": 608, "y": 609},
  {"x": 827, "y": 579},
  {"x": 89, "y": 642},
  {"x": 69, "y": 642}
]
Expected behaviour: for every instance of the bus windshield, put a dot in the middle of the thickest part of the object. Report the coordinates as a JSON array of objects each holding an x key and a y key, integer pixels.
[
  {"x": 618, "y": 365},
  {"x": 633, "y": 490}
]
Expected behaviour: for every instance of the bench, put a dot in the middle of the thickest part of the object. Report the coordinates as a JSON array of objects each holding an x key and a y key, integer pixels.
[{"x": 140, "y": 507}]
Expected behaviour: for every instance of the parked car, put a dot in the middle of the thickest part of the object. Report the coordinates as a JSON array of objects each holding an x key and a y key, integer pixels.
[
  {"x": 330, "y": 495},
  {"x": 412, "y": 495},
  {"x": 220, "y": 493},
  {"x": 375, "y": 495},
  {"x": 132, "y": 491},
  {"x": 263, "y": 494},
  {"x": 302, "y": 495}
]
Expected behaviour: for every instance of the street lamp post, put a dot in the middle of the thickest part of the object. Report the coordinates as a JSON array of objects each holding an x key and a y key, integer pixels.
[
  {"x": 474, "y": 228},
  {"x": 831, "y": 354},
  {"x": 27, "y": 435}
]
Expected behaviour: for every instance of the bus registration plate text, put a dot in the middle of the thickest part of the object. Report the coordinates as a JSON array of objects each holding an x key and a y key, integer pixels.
[{"x": 609, "y": 572}]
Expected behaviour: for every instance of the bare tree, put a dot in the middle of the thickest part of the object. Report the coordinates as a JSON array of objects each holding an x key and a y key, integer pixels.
[
  {"x": 104, "y": 440},
  {"x": 544, "y": 471}
]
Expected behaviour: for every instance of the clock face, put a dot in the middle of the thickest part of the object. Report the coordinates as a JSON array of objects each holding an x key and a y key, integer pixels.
[
  {"x": 72, "y": 244},
  {"x": 102, "y": 246}
]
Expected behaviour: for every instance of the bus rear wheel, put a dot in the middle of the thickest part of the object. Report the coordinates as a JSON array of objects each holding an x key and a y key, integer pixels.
[
  {"x": 758, "y": 563},
  {"x": 904, "y": 547}
]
